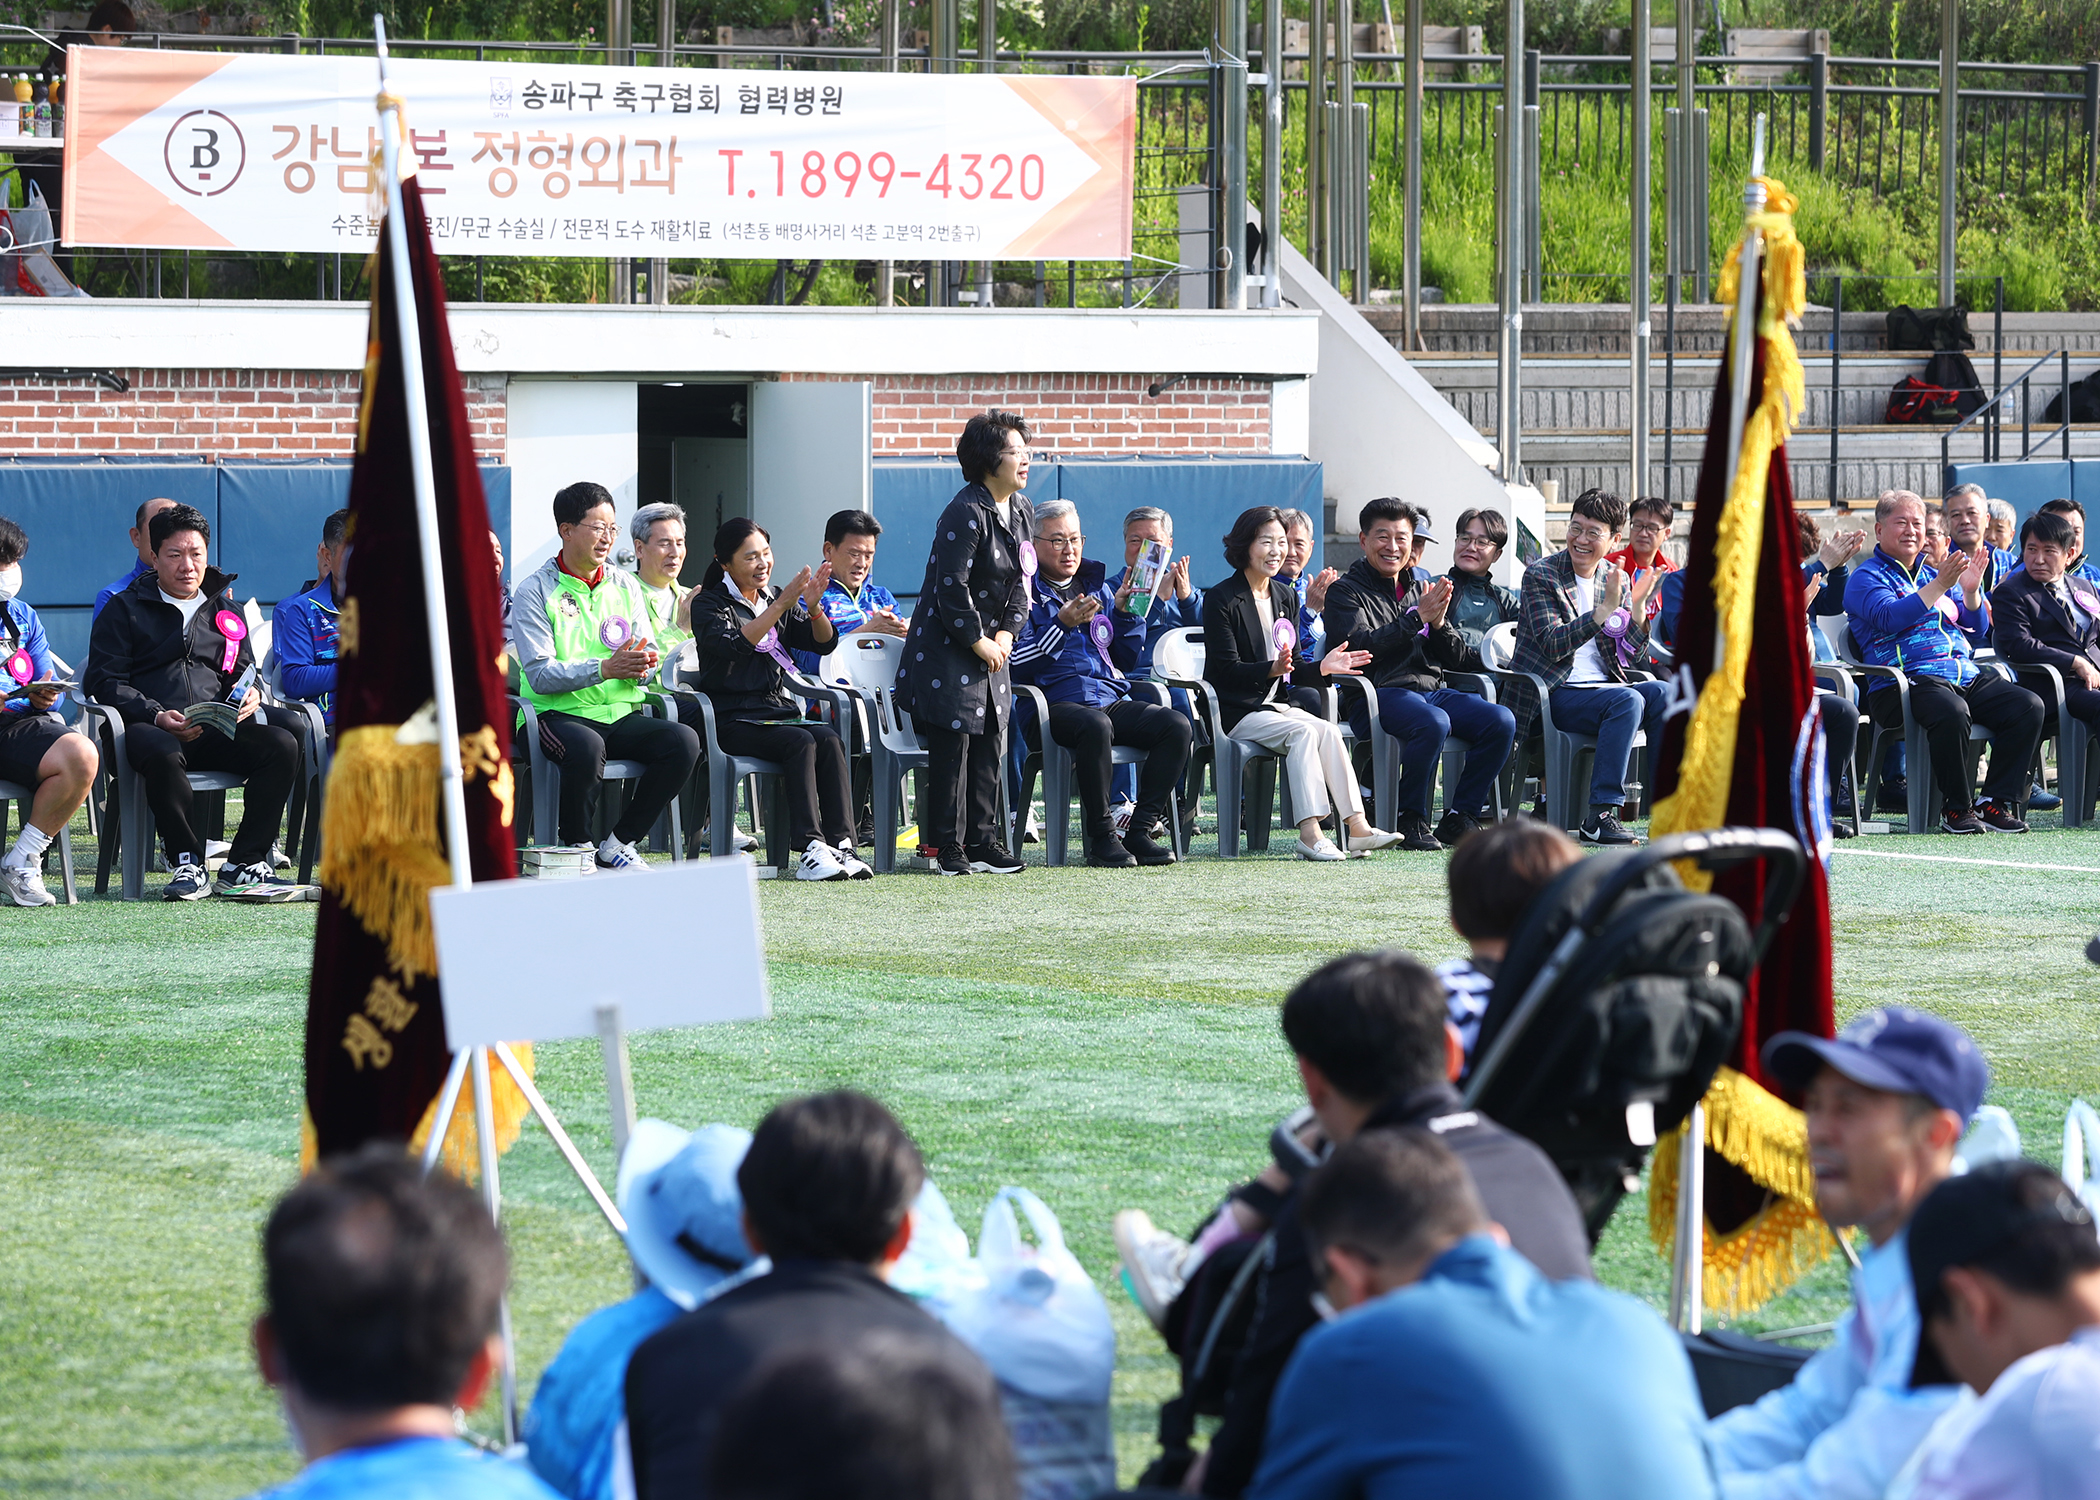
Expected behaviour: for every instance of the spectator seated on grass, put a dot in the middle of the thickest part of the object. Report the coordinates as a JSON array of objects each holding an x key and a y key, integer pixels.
[
  {"x": 380, "y": 1290},
  {"x": 173, "y": 639},
  {"x": 828, "y": 1186},
  {"x": 1578, "y": 627},
  {"x": 1453, "y": 1369},
  {"x": 677, "y": 1192},
  {"x": 304, "y": 628},
  {"x": 1929, "y": 623},
  {"x": 1887, "y": 1100},
  {"x": 1648, "y": 523},
  {"x": 877, "y": 1417},
  {"x": 141, "y": 543},
  {"x": 1078, "y": 645},
  {"x": 1478, "y": 603},
  {"x": 36, "y": 749},
  {"x": 658, "y": 533},
  {"x": 581, "y": 630},
  {"x": 1494, "y": 875},
  {"x": 2007, "y": 1272},
  {"x": 1378, "y": 607},
  {"x": 743, "y": 632},
  {"x": 852, "y": 600},
  {"x": 2046, "y": 613},
  {"x": 2081, "y": 565},
  {"x": 1373, "y": 1050}
]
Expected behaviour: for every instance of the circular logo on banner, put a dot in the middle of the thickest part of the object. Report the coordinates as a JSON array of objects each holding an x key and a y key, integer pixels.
[
  {"x": 204, "y": 153},
  {"x": 615, "y": 632},
  {"x": 1286, "y": 636}
]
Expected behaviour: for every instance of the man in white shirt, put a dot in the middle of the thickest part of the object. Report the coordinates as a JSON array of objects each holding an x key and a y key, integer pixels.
[{"x": 2007, "y": 1271}]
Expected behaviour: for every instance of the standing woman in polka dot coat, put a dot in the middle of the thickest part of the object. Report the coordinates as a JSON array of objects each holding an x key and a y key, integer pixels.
[{"x": 972, "y": 604}]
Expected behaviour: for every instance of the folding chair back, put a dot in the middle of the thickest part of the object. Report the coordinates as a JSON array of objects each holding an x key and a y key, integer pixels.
[
  {"x": 1568, "y": 755},
  {"x": 1178, "y": 661}
]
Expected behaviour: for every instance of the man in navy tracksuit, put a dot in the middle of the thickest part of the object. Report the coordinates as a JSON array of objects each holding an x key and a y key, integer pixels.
[
  {"x": 1078, "y": 647},
  {"x": 305, "y": 628}
]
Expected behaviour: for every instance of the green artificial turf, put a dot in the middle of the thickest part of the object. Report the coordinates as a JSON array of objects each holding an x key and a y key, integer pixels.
[{"x": 1107, "y": 1039}]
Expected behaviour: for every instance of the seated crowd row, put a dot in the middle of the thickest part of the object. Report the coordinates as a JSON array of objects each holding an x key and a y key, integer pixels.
[{"x": 1425, "y": 1320}]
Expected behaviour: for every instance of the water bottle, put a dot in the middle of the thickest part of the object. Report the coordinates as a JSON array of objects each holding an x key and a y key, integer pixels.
[{"x": 40, "y": 101}]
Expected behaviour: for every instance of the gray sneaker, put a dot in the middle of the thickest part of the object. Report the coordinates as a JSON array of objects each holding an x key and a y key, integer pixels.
[{"x": 23, "y": 885}]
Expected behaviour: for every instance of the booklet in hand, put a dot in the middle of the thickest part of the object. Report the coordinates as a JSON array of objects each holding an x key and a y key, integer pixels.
[
  {"x": 1145, "y": 575},
  {"x": 49, "y": 682},
  {"x": 224, "y": 717}
]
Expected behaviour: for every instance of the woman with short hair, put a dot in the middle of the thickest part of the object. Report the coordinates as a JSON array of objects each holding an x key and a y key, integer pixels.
[{"x": 1250, "y": 652}]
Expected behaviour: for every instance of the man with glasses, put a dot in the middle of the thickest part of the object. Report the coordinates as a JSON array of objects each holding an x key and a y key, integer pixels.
[
  {"x": 584, "y": 643},
  {"x": 1478, "y": 603},
  {"x": 1079, "y": 645},
  {"x": 1648, "y": 525},
  {"x": 1579, "y": 628}
]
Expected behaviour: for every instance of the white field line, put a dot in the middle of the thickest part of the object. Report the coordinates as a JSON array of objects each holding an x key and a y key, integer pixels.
[{"x": 1950, "y": 859}]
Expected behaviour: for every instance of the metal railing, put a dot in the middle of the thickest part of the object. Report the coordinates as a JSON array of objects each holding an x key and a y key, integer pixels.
[{"x": 1989, "y": 418}]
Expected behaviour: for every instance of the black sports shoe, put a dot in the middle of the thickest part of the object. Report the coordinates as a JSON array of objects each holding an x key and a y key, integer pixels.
[
  {"x": 1454, "y": 826},
  {"x": 1414, "y": 832},
  {"x": 1104, "y": 851},
  {"x": 1893, "y": 795},
  {"x": 950, "y": 860},
  {"x": 992, "y": 859},
  {"x": 1960, "y": 820},
  {"x": 1997, "y": 817},
  {"x": 1146, "y": 850},
  {"x": 1605, "y": 828}
]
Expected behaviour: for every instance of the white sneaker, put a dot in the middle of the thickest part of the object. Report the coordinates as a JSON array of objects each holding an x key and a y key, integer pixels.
[
  {"x": 742, "y": 842},
  {"x": 1321, "y": 850},
  {"x": 1122, "y": 813},
  {"x": 853, "y": 864},
  {"x": 1154, "y": 1263},
  {"x": 279, "y": 860},
  {"x": 820, "y": 862},
  {"x": 614, "y": 855},
  {"x": 23, "y": 885}
]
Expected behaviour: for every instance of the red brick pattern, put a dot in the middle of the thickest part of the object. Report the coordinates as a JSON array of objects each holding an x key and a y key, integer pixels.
[
  {"x": 1072, "y": 413},
  {"x": 224, "y": 413}
]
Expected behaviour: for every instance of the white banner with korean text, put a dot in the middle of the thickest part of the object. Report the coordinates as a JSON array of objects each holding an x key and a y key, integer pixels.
[{"x": 194, "y": 150}]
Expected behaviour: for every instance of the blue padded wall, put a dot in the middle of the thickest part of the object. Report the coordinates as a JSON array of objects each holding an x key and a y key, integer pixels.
[
  {"x": 270, "y": 517},
  {"x": 2028, "y": 487}
]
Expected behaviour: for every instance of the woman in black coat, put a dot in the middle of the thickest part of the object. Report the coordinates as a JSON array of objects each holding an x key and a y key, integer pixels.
[
  {"x": 1250, "y": 644},
  {"x": 742, "y": 634},
  {"x": 971, "y": 606}
]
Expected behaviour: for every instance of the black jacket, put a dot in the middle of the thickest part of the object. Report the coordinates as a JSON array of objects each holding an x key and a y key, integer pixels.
[
  {"x": 1478, "y": 605},
  {"x": 141, "y": 660},
  {"x": 1520, "y": 1191},
  {"x": 1377, "y": 614},
  {"x": 1237, "y": 651},
  {"x": 2029, "y": 625},
  {"x": 974, "y": 587},
  {"x": 683, "y": 1374},
  {"x": 743, "y": 681}
]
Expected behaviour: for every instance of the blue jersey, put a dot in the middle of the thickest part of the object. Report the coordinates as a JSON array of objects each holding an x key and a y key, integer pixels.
[
  {"x": 420, "y": 1468},
  {"x": 111, "y": 590},
  {"x": 303, "y": 633},
  {"x": 847, "y": 613}
]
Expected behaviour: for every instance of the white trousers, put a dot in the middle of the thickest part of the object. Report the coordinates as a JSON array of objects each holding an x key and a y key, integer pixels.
[{"x": 1314, "y": 757}]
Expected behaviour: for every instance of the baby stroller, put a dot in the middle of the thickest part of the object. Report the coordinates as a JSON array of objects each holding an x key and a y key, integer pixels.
[{"x": 1621, "y": 996}]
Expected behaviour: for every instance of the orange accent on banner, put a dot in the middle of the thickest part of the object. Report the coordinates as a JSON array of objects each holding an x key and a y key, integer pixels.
[
  {"x": 1099, "y": 116},
  {"x": 105, "y": 203}
]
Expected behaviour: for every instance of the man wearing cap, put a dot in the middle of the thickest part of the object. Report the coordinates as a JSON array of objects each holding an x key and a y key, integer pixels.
[
  {"x": 1887, "y": 1100},
  {"x": 677, "y": 1191},
  {"x": 2007, "y": 1271}
]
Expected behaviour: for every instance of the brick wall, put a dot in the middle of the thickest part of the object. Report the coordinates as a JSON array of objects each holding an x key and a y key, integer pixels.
[
  {"x": 224, "y": 413},
  {"x": 1072, "y": 414}
]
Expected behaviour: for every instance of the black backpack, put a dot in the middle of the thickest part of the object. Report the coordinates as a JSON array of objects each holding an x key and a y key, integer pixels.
[
  {"x": 1621, "y": 996},
  {"x": 2085, "y": 401},
  {"x": 1951, "y": 370},
  {"x": 1929, "y": 328}
]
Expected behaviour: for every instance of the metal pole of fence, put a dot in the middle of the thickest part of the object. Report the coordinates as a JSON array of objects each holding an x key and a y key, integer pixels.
[
  {"x": 1318, "y": 210},
  {"x": 1837, "y": 337},
  {"x": 1510, "y": 160},
  {"x": 1272, "y": 153},
  {"x": 1341, "y": 182},
  {"x": 1637, "y": 288},
  {"x": 987, "y": 62},
  {"x": 666, "y": 42},
  {"x": 1687, "y": 100},
  {"x": 1950, "y": 118},
  {"x": 1411, "y": 205},
  {"x": 886, "y": 271},
  {"x": 943, "y": 46},
  {"x": 2092, "y": 122},
  {"x": 1998, "y": 366},
  {"x": 1818, "y": 107},
  {"x": 1229, "y": 254}
]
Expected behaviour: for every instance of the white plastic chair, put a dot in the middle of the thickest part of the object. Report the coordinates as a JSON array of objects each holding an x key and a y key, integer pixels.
[
  {"x": 1567, "y": 753},
  {"x": 1178, "y": 661},
  {"x": 1922, "y": 815},
  {"x": 2082, "y": 1153},
  {"x": 12, "y": 791}
]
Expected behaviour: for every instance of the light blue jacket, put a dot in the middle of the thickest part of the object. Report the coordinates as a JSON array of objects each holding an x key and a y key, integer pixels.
[
  {"x": 1848, "y": 1422},
  {"x": 581, "y": 1399}
]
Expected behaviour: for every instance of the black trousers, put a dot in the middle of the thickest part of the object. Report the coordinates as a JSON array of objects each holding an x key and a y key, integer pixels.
[
  {"x": 266, "y": 755},
  {"x": 961, "y": 801},
  {"x": 581, "y": 747},
  {"x": 2011, "y": 713},
  {"x": 1840, "y": 733},
  {"x": 812, "y": 757},
  {"x": 1092, "y": 733}
]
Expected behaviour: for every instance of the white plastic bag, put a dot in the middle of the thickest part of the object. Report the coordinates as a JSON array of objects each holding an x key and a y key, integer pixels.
[
  {"x": 2082, "y": 1153},
  {"x": 1038, "y": 1320},
  {"x": 935, "y": 1268},
  {"x": 36, "y": 272},
  {"x": 1992, "y": 1137}
]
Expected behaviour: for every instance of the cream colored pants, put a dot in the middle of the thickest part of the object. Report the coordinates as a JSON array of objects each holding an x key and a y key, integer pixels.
[{"x": 1314, "y": 758}]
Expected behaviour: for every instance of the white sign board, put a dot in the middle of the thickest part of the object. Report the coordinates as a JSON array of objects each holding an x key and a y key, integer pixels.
[{"x": 532, "y": 960}]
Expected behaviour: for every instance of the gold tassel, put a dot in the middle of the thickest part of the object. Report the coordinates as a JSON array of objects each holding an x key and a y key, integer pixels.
[
  {"x": 379, "y": 841},
  {"x": 1768, "y": 1140},
  {"x": 462, "y": 1152}
]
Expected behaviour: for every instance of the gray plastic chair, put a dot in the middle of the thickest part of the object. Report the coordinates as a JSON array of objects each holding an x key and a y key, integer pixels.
[
  {"x": 1058, "y": 791},
  {"x": 1922, "y": 814},
  {"x": 11, "y": 791},
  {"x": 1568, "y": 754},
  {"x": 1238, "y": 769}
]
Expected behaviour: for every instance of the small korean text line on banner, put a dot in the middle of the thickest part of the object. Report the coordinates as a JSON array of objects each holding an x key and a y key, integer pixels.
[{"x": 195, "y": 150}]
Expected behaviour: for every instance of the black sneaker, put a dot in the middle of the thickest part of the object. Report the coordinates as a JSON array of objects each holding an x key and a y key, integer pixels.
[
  {"x": 1147, "y": 850},
  {"x": 992, "y": 859},
  {"x": 1605, "y": 828},
  {"x": 1414, "y": 832},
  {"x": 234, "y": 879},
  {"x": 1998, "y": 818},
  {"x": 1960, "y": 820},
  {"x": 1840, "y": 829},
  {"x": 189, "y": 884},
  {"x": 1454, "y": 826},
  {"x": 1104, "y": 851},
  {"x": 1893, "y": 795},
  {"x": 949, "y": 859}
]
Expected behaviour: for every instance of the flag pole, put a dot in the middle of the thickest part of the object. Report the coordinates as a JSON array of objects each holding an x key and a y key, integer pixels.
[{"x": 1742, "y": 346}]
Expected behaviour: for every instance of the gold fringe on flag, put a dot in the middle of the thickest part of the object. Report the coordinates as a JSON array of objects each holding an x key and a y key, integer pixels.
[
  {"x": 462, "y": 1150},
  {"x": 1768, "y": 1140}
]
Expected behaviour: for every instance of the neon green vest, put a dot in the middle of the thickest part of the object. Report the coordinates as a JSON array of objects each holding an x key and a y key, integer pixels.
[
  {"x": 580, "y": 616},
  {"x": 663, "y": 616}
]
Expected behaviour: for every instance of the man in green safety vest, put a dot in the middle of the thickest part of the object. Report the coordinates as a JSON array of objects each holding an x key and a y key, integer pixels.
[{"x": 583, "y": 639}]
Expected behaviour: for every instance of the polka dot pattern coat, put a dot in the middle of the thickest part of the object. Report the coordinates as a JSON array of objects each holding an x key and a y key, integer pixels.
[{"x": 975, "y": 586}]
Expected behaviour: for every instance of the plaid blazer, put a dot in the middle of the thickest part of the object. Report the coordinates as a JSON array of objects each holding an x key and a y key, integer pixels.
[{"x": 1551, "y": 625}]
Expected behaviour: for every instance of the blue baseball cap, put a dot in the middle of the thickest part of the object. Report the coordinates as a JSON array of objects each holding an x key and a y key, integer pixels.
[{"x": 1895, "y": 1048}]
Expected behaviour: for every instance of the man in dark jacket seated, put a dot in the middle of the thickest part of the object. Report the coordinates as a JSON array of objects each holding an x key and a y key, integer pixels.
[
  {"x": 1379, "y": 607},
  {"x": 828, "y": 1186},
  {"x": 2047, "y": 614},
  {"x": 1078, "y": 645},
  {"x": 173, "y": 639}
]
